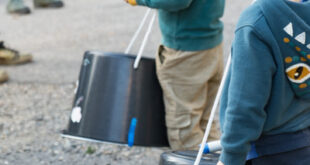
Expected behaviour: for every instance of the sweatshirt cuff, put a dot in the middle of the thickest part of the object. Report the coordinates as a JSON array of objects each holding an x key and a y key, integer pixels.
[
  {"x": 140, "y": 2},
  {"x": 228, "y": 158}
]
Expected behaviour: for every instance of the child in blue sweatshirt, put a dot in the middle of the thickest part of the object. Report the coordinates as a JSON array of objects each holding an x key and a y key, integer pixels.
[{"x": 265, "y": 105}]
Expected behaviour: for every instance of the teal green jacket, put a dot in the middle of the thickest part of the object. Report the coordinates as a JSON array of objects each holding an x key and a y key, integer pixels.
[
  {"x": 267, "y": 91},
  {"x": 189, "y": 25}
]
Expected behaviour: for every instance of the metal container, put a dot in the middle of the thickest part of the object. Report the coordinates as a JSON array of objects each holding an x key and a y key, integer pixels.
[
  {"x": 187, "y": 158},
  {"x": 116, "y": 103}
]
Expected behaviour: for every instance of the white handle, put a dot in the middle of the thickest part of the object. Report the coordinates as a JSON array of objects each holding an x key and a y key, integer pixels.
[
  {"x": 145, "y": 39},
  {"x": 133, "y": 39},
  {"x": 146, "y": 36}
]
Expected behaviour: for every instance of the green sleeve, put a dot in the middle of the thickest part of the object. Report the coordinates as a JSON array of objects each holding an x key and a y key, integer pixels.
[
  {"x": 169, "y": 5},
  {"x": 246, "y": 94}
]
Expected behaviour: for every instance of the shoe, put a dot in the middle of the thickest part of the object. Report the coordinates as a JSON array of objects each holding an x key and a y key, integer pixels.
[
  {"x": 3, "y": 76},
  {"x": 48, "y": 3},
  {"x": 17, "y": 7},
  {"x": 12, "y": 57}
]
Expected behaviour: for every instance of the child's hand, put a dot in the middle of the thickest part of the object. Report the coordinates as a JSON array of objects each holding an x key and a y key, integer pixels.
[
  {"x": 132, "y": 2},
  {"x": 219, "y": 163}
]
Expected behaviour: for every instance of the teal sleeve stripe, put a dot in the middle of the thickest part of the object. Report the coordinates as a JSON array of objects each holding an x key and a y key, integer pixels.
[{"x": 168, "y": 5}]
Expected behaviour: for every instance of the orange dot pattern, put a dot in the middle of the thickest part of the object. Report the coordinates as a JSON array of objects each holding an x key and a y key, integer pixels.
[
  {"x": 303, "y": 59},
  {"x": 304, "y": 85},
  {"x": 288, "y": 59},
  {"x": 286, "y": 40}
]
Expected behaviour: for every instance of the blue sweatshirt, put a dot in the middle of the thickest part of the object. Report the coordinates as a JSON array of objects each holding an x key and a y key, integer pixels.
[
  {"x": 189, "y": 25},
  {"x": 267, "y": 91}
]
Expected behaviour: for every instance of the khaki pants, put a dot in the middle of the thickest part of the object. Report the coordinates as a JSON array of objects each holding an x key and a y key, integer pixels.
[{"x": 189, "y": 81}]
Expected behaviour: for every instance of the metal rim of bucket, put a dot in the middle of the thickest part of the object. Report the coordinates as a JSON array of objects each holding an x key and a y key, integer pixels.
[
  {"x": 91, "y": 140},
  {"x": 131, "y": 56},
  {"x": 182, "y": 155}
]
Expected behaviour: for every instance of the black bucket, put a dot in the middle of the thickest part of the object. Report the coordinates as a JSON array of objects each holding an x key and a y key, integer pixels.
[
  {"x": 187, "y": 158},
  {"x": 116, "y": 103}
]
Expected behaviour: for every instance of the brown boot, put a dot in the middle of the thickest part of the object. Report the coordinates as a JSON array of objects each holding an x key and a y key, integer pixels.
[
  {"x": 3, "y": 76},
  {"x": 12, "y": 57}
]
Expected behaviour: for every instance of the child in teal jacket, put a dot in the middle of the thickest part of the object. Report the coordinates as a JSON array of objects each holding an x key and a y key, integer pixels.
[
  {"x": 188, "y": 65},
  {"x": 265, "y": 105}
]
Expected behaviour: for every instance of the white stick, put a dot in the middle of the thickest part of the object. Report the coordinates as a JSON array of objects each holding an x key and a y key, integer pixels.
[
  {"x": 133, "y": 39},
  {"x": 147, "y": 34},
  {"x": 217, "y": 98}
]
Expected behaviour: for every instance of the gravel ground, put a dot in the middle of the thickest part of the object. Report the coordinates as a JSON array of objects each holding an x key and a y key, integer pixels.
[
  {"x": 30, "y": 132},
  {"x": 36, "y": 103}
]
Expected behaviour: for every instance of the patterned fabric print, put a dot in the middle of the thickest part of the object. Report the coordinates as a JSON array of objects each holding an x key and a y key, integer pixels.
[{"x": 297, "y": 64}]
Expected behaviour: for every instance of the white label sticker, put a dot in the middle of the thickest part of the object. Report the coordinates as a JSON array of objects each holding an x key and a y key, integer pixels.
[{"x": 76, "y": 114}]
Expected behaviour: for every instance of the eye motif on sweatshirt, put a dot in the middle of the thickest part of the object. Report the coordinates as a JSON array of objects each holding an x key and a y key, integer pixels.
[
  {"x": 297, "y": 64},
  {"x": 298, "y": 73}
]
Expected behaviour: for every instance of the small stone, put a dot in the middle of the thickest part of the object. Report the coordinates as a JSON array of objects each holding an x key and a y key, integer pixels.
[
  {"x": 126, "y": 153},
  {"x": 61, "y": 158},
  {"x": 1, "y": 127},
  {"x": 55, "y": 152},
  {"x": 56, "y": 144}
]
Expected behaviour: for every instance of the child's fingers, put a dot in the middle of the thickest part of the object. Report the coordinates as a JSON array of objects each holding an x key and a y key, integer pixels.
[{"x": 219, "y": 163}]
